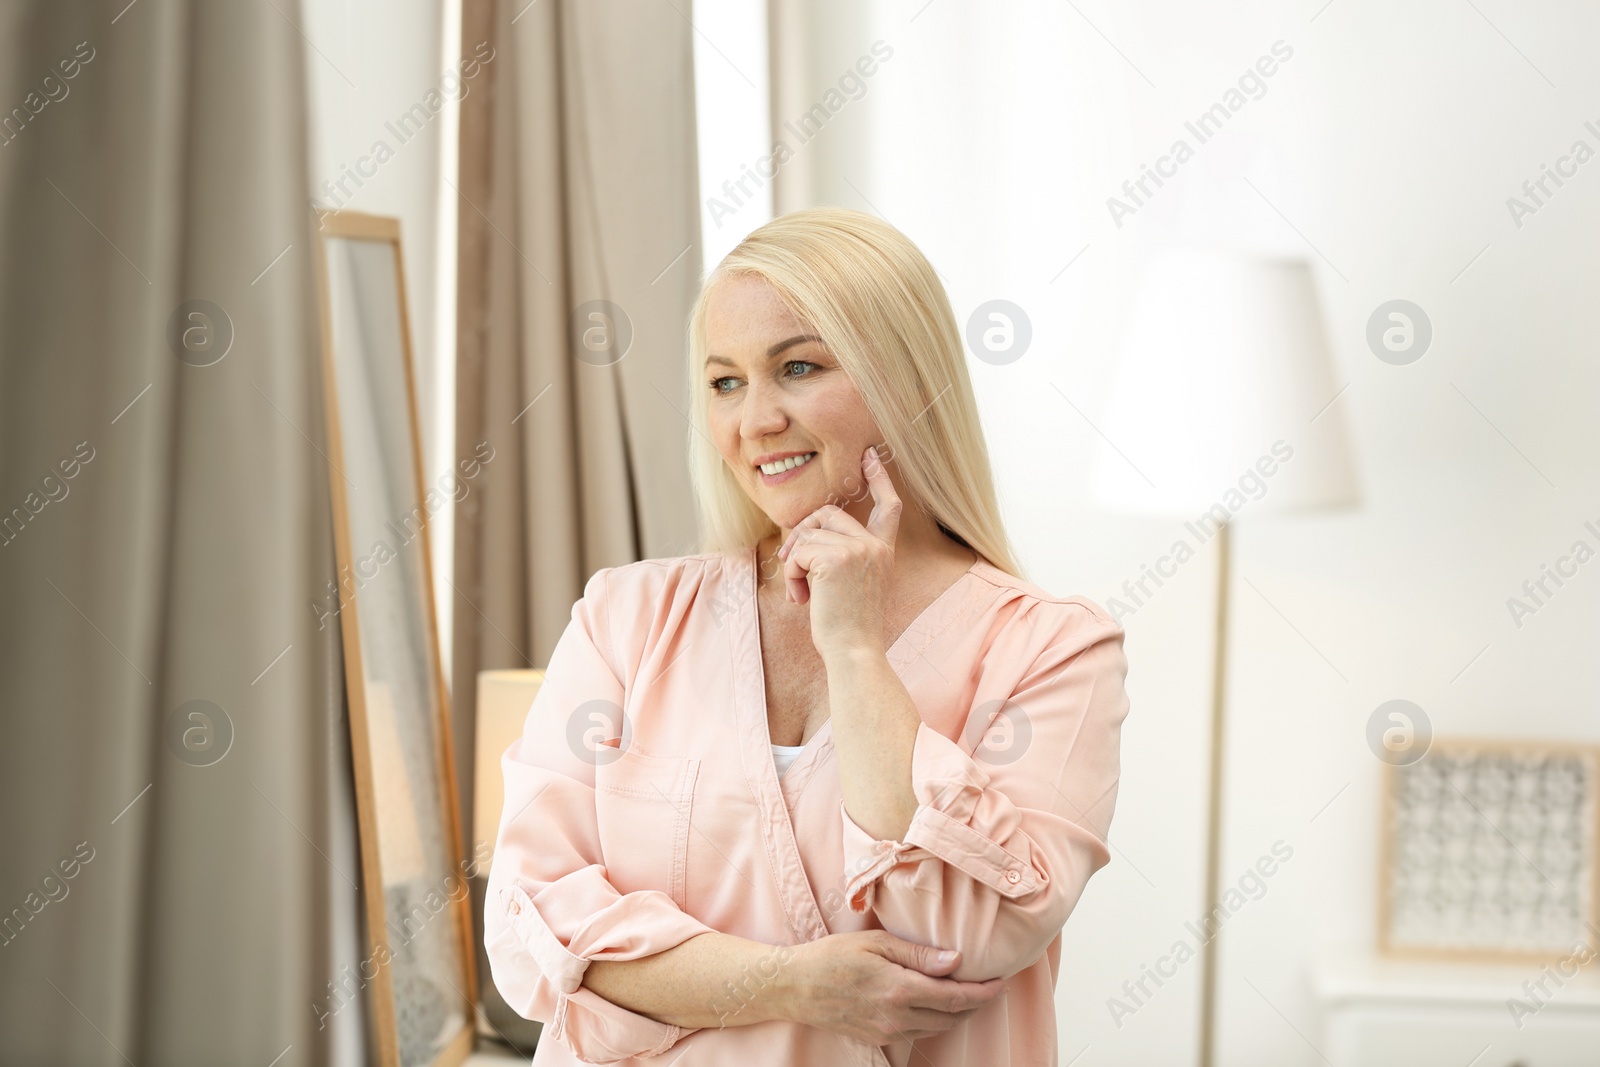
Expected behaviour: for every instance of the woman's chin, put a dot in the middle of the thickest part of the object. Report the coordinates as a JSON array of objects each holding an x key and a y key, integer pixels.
[
  {"x": 788, "y": 518},
  {"x": 793, "y": 505}
]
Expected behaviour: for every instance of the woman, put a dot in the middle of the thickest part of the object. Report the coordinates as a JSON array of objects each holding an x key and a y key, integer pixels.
[{"x": 827, "y": 792}]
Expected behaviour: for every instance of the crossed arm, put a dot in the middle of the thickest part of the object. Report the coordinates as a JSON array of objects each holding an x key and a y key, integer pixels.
[
  {"x": 983, "y": 859},
  {"x": 869, "y": 986}
]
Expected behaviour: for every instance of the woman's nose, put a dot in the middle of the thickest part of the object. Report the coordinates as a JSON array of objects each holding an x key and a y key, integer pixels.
[{"x": 762, "y": 414}]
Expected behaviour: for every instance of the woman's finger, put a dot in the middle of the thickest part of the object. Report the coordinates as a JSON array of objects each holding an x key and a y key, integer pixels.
[
  {"x": 810, "y": 546},
  {"x": 884, "y": 522},
  {"x": 953, "y": 995},
  {"x": 827, "y": 517},
  {"x": 810, "y": 522}
]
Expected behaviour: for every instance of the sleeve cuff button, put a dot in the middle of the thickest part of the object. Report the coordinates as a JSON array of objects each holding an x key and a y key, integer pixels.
[{"x": 1013, "y": 876}]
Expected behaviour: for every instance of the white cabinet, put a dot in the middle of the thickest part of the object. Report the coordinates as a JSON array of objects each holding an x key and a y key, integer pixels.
[{"x": 1390, "y": 1013}]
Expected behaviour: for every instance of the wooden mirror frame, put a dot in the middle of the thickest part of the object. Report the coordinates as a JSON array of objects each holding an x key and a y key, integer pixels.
[{"x": 381, "y": 1000}]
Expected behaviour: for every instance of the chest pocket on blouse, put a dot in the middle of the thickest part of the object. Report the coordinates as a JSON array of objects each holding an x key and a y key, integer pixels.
[{"x": 642, "y": 808}]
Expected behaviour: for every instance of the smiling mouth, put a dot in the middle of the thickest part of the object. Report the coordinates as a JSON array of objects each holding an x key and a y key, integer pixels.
[{"x": 778, "y": 467}]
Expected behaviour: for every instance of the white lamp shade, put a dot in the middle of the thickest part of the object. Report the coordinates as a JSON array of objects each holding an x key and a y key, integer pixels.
[
  {"x": 1222, "y": 393},
  {"x": 504, "y": 699}
]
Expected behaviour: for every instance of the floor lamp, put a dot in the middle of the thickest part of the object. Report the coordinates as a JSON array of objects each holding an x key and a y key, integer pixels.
[{"x": 1225, "y": 357}]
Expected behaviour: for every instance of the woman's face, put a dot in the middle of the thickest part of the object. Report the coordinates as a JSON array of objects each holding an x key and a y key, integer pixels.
[{"x": 776, "y": 392}]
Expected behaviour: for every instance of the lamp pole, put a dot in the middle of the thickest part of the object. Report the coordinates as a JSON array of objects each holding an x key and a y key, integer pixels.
[{"x": 1219, "y": 671}]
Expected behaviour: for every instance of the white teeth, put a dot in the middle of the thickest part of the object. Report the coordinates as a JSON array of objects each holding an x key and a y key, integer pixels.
[{"x": 786, "y": 464}]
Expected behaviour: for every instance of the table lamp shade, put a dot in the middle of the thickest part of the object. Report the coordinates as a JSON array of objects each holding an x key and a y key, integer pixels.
[
  {"x": 1225, "y": 356},
  {"x": 504, "y": 700}
]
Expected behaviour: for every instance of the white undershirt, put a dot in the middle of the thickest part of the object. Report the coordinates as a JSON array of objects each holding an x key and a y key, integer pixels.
[{"x": 783, "y": 755}]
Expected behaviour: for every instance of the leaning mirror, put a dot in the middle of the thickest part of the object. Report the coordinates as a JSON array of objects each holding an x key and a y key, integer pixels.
[{"x": 419, "y": 985}]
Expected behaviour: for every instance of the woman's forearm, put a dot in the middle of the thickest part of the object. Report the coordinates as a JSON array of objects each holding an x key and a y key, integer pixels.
[
  {"x": 711, "y": 980},
  {"x": 874, "y": 733}
]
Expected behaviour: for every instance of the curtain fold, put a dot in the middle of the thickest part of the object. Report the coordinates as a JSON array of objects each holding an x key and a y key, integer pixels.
[
  {"x": 579, "y": 262},
  {"x": 175, "y": 720},
  {"x": 579, "y": 259}
]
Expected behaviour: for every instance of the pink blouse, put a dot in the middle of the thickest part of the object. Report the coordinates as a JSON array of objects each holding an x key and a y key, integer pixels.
[{"x": 642, "y": 808}]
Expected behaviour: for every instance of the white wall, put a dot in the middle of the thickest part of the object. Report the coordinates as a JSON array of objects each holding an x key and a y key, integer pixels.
[
  {"x": 731, "y": 76},
  {"x": 1391, "y": 139}
]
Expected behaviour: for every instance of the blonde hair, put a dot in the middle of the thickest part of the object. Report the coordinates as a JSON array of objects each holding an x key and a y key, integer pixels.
[{"x": 874, "y": 298}]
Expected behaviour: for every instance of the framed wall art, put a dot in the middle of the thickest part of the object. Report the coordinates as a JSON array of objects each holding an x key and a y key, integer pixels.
[{"x": 1490, "y": 852}]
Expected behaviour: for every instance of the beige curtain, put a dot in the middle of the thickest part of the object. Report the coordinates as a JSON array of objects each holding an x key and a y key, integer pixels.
[
  {"x": 208, "y": 904},
  {"x": 578, "y": 184}
]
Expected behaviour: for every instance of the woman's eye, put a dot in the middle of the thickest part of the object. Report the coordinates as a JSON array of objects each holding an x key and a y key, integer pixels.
[{"x": 720, "y": 385}]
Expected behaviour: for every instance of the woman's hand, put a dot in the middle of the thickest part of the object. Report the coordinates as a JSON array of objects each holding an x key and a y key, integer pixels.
[
  {"x": 842, "y": 568},
  {"x": 875, "y": 988}
]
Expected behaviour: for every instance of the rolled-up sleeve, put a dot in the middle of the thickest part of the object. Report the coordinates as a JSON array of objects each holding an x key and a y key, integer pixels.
[
  {"x": 550, "y": 909},
  {"x": 1004, "y": 839}
]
